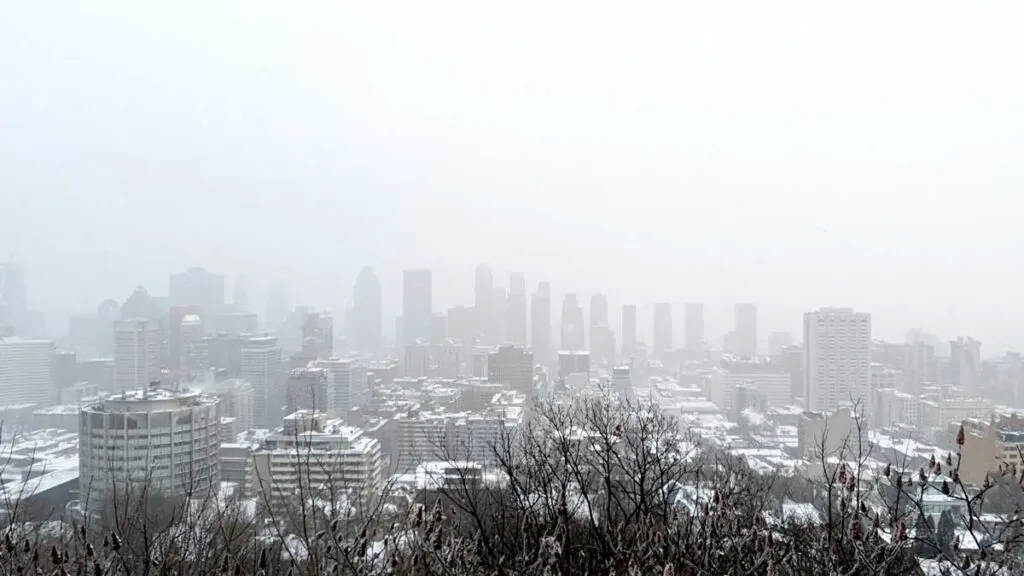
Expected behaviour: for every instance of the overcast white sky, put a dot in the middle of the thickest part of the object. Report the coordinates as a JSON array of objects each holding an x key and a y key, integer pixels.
[{"x": 795, "y": 154}]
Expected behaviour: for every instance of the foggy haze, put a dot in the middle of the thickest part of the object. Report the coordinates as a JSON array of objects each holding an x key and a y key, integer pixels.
[{"x": 792, "y": 154}]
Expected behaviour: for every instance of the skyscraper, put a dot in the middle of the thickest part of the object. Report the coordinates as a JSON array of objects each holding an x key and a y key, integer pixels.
[
  {"x": 573, "y": 337},
  {"x": 483, "y": 295},
  {"x": 837, "y": 358},
  {"x": 261, "y": 366},
  {"x": 367, "y": 313},
  {"x": 27, "y": 371},
  {"x": 137, "y": 351},
  {"x": 515, "y": 308},
  {"x": 417, "y": 304},
  {"x": 598, "y": 310},
  {"x": 628, "y": 330},
  {"x": 746, "y": 329},
  {"x": 965, "y": 364},
  {"x": 498, "y": 315},
  {"x": 662, "y": 329},
  {"x": 241, "y": 299},
  {"x": 693, "y": 329},
  {"x": 602, "y": 340},
  {"x": 540, "y": 324},
  {"x": 512, "y": 366},
  {"x": 199, "y": 287}
]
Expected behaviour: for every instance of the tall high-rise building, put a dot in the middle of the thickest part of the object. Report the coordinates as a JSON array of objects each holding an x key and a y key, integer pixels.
[
  {"x": 515, "y": 308},
  {"x": 107, "y": 314},
  {"x": 837, "y": 358},
  {"x": 261, "y": 365},
  {"x": 512, "y": 366},
  {"x": 417, "y": 304},
  {"x": 27, "y": 371},
  {"x": 197, "y": 286},
  {"x": 367, "y": 313},
  {"x": 628, "y": 330},
  {"x": 746, "y": 329},
  {"x": 598, "y": 310},
  {"x": 483, "y": 295},
  {"x": 920, "y": 360},
  {"x": 662, "y": 329},
  {"x": 137, "y": 353},
  {"x": 573, "y": 331},
  {"x": 13, "y": 298},
  {"x": 693, "y": 327},
  {"x": 602, "y": 340},
  {"x": 965, "y": 364},
  {"x": 174, "y": 337},
  {"x": 540, "y": 324}
]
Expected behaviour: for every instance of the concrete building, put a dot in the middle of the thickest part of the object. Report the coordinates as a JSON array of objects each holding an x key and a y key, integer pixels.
[
  {"x": 367, "y": 313},
  {"x": 768, "y": 378},
  {"x": 27, "y": 371},
  {"x": 430, "y": 436},
  {"x": 137, "y": 352},
  {"x": 572, "y": 362},
  {"x": 483, "y": 309},
  {"x": 148, "y": 440},
  {"x": 892, "y": 407},
  {"x": 512, "y": 366},
  {"x": 347, "y": 379},
  {"x": 261, "y": 366},
  {"x": 235, "y": 403},
  {"x": 315, "y": 456},
  {"x": 573, "y": 331},
  {"x": 417, "y": 304},
  {"x": 837, "y": 358},
  {"x": 540, "y": 324},
  {"x": 662, "y": 330},
  {"x": 920, "y": 363},
  {"x": 965, "y": 364},
  {"x": 308, "y": 389}
]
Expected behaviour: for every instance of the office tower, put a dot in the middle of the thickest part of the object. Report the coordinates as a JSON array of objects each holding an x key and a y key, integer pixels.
[
  {"x": 965, "y": 364},
  {"x": 241, "y": 299},
  {"x": 261, "y": 366},
  {"x": 308, "y": 389},
  {"x": 693, "y": 327},
  {"x": 920, "y": 362},
  {"x": 462, "y": 325},
  {"x": 367, "y": 313},
  {"x": 622, "y": 382},
  {"x": 13, "y": 298},
  {"x": 513, "y": 366},
  {"x": 106, "y": 314},
  {"x": 662, "y": 330},
  {"x": 137, "y": 353},
  {"x": 515, "y": 308},
  {"x": 148, "y": 441},
  {"x": 349, "y": 385},
  {"x": 417, "y": 304},
  {"x": 837, "y": 358},
  {"x": 234, "y": 406},
  {"x": 278, "y": 305},
  {"x": 746, "y": 329},
  {"x": 317, "y": 330},
  {"x": 628, "y": 330},
  {"x": 572, "y": 324},
  {"x": 574, "y": 362},
  {"x": 199, "y": 287},
  {"x": 174, "y": 338},
  {"x": 598, "y": 310},
  {"x": 483, "y": 294},
  {"x": 83, "y": 330},
  {"x": 140, "y": 305},
  {"x": 540, "y": 324},
  {"x": 27, "y": 371},
  {"x": 193, "y": 351}
]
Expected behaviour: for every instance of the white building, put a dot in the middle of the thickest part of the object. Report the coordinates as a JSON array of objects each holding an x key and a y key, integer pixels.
[
  {"x": 892, "y": 407},
  {"x": 148, "y": 440},
  {"x": 26, "y": 371},
  {"x": 261, "y": 366},
  {"x": 235, "y": 408},
  {"x": 768, "y": 378},
  {"x": 347, "y": 379},
  {"x": 316, "y": 456},
  {"x": 837, "y": 358},
  {"x": 427, "y": 436},
  {"x": 137, "y": 345}
]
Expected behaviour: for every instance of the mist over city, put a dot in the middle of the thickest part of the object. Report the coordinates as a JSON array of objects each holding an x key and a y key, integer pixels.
[{"x": 535, "y": 285}]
